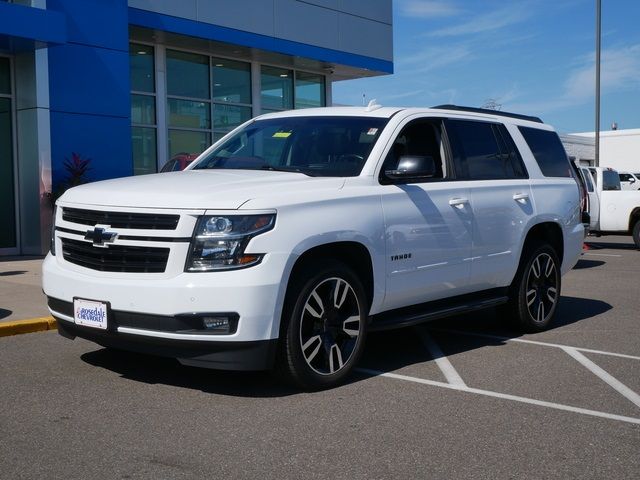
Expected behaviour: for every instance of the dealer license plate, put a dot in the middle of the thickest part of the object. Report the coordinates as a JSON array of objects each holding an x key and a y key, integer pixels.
[{"x": 90, "y": 313}]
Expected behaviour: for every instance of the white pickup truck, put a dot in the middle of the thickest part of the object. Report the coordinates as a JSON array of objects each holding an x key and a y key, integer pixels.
[{"x": 612, "y": 209}]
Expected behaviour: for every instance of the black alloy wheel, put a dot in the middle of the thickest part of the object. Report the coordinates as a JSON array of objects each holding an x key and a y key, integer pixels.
[
  {"x": 542, "y": 288},
  {"x": 535, "y": 291},
  {"x": 323, "y": 326}
]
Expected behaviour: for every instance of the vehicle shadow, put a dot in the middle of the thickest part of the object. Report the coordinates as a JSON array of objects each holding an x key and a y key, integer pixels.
[
  {"x": 168, "y": 371},
  {"x": 389, "y": 351},
  {"x": 583, "y": 264},
  {"x": 12, "y": 273},
  {"x": 598, "y": 245},
  {"x": 386, "y": 351},
  {"x": 4, "y": 313}
]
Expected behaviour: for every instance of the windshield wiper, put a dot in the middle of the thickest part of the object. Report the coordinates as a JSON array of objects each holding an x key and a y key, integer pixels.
[{"x": 285, "y": 169}]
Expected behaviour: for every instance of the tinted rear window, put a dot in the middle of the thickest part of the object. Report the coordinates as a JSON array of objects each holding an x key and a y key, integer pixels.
[
  {"x": 610, "y": 180},
  {"x": 548, "y": 151},
  {"x": 486, "y": 149}
]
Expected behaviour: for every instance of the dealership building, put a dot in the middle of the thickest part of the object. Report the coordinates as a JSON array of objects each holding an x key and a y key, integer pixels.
[{"x": 130, "y": 85}]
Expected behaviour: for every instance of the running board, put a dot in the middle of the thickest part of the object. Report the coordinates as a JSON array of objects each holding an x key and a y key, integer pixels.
[{"x": 406, "y": 317}]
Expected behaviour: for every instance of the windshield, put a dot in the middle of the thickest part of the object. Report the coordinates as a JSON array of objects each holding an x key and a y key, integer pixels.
[{"x": 314, "y": 146}]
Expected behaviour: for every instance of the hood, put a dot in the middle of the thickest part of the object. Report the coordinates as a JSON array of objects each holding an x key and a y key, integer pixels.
[{"x": 196, "y": 189}]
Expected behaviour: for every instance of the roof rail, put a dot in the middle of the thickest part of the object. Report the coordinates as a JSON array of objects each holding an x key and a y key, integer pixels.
[{"x": 490, "y": 112}]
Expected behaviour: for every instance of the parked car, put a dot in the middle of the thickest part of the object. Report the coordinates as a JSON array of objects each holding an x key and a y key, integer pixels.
[
  {"x": 612, "y": 210},
  {"x": 299, "y": 232},
  {"x": 179, "y": 162},
  {"x": 629, "y": 181}
]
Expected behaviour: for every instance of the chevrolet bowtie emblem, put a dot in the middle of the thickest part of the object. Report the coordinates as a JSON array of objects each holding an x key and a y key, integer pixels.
[{"x": 99, "y": 236}]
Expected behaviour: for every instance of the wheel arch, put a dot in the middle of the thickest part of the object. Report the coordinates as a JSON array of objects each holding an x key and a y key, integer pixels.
[
  {"x": 547, "y": 231},
  {"x": 352, "y": 253},
  {"x": 634, "y": 217}
]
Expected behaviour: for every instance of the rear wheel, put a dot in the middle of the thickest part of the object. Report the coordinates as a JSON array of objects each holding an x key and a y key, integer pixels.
[
  {"x": 636, "y": 233},
  {"x": 535, "y": 291},
  {"x": 324, "y": 326}
]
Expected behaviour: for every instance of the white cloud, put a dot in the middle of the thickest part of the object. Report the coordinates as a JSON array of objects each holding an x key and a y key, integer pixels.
[
  {"x": 428, "y": 8},
  {"x": 487, "y": 22},
  {"x": 620, "y": 70},
  {"x": 432, "y": 58}
]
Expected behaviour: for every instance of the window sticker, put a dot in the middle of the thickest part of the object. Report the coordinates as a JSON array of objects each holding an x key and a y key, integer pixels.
[
  {"x": 372, "y": 131},
  {"x": 281, "y": 135}
]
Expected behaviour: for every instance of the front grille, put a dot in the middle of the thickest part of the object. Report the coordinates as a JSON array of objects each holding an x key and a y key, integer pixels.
[
  {"x": 115, "y": 258},
  {"x": 143, "y": 221}
]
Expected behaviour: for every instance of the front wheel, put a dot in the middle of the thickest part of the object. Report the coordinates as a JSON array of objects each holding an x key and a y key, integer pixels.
[
  {"x": 324, "y": 326},
  {"x": 535, "y": 291}
]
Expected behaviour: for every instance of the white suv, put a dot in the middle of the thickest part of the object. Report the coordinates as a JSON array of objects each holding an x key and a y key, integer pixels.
[{"x": 299, "y": 232}]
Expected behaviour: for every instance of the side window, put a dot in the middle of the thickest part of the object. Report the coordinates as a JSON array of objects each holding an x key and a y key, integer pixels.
[
  {"x": 587, "y": 179},
  {"x": 419, "y": 138},
  {"x": 515, "y": 163},
  {"x": 610, "y": 180},
  {"x": 548, "y": 151},
  {"x": 625, "y": 177},
  {"x": 485, "y": 150}
]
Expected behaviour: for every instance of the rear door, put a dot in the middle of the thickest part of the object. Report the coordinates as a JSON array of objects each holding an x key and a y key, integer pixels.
[
  {"x": 594, "y": 201},
  {"x": 501, "y": 199}
]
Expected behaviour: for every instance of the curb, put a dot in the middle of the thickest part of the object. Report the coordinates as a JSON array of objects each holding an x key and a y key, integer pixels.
[{"x": 16, "y": 327}]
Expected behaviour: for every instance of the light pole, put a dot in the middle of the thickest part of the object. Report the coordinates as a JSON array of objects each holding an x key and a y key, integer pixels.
[{"x": 598, "y": 42}]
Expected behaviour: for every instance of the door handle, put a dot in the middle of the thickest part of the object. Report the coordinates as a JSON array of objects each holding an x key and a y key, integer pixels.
[
  {"x": 458, "y": 202},
  {"x": 521, "y": 197}
]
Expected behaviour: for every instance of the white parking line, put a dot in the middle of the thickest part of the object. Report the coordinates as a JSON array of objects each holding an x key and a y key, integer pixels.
[
  {"x": 602, "y": 255},
  {"x": 504, "y": 396},
  {"x": 534, "y": 342},
  {"x": 441, "y": 360},
  {"x": 613, "y": 382}
]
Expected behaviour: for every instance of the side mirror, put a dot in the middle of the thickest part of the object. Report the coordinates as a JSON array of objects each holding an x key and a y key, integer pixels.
[
  {"x": 413, "y": 167},
  {"x": 632, "y": 180}
]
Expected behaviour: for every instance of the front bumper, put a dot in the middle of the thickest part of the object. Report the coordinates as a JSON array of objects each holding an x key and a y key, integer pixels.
[
  {"x": 256, "y": 355},
  {"x": 255, "y": 294}
]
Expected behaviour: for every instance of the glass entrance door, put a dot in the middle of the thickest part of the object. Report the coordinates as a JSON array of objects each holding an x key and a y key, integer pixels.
[{"x": 8, "y": 240}]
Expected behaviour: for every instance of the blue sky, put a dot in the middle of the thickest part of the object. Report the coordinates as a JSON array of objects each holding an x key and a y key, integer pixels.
[{"x": 530, "y": 56}]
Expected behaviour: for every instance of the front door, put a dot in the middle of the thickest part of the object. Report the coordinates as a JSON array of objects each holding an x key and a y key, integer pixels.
[{"x": 427, "y": 223}]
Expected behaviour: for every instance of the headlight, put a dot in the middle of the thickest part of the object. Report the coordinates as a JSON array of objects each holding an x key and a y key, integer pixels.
[
  {"x": 52, "y": 246},
  {"x": 219, "y": 241}
]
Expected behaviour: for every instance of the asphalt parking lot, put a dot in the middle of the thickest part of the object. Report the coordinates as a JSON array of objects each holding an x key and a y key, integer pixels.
[{"x": 463, "y": 397}]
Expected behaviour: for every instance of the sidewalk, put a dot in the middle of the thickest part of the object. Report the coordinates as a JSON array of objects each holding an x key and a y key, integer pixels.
[{"x": 21, "y": 294}]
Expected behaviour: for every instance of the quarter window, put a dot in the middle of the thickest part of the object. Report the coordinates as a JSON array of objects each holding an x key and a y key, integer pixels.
[{"x": 548, "y": 151}]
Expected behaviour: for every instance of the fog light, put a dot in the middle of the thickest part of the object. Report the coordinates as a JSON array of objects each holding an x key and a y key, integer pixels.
[{"x": 216, "y": 324}]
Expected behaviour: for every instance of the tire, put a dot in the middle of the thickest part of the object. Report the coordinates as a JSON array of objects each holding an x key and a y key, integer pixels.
[
  {"x": 535, "y": 291},
  {"x": 636, "y": 233},
  {"x": 323, "y": 327}
]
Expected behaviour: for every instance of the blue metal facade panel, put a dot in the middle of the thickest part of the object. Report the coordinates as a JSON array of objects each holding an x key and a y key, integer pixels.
[
  {"x": 89, "y": 90},
  {"x": 20, "y": 25},
  {"x": 91, "y": 80},
  {"x": 100, "y": 23},
  {"x": 104, "y": 140}
]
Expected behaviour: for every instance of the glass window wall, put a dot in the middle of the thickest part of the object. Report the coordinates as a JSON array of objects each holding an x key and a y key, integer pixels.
[
  {"x": 7, "y": 193},
  {"x": 276, "y": 89},
  {"x": 310, "y": 90},
  {"x": 143, "y": 109}
]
